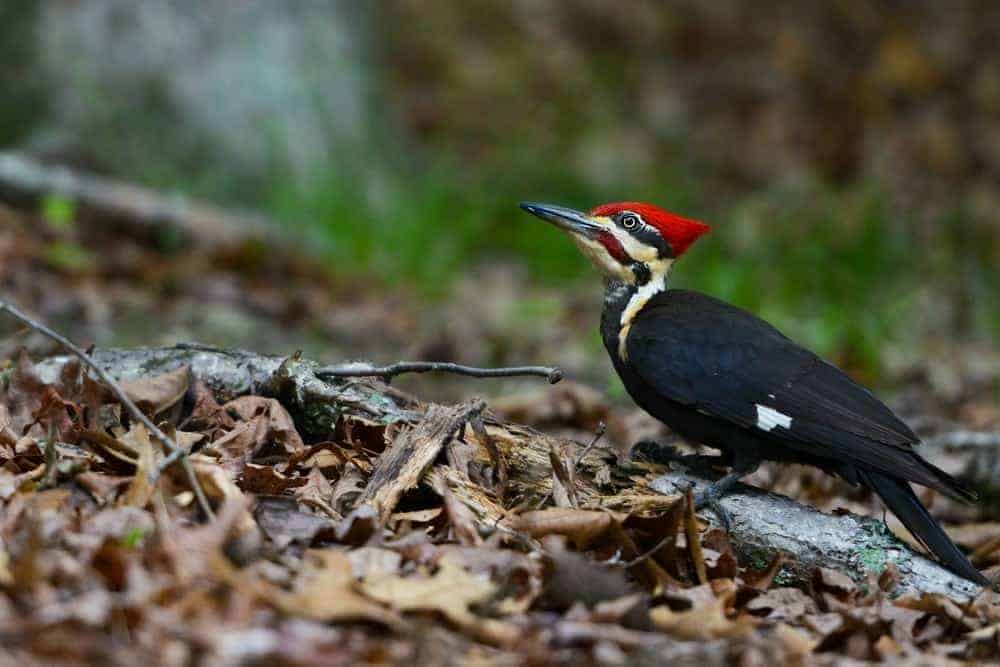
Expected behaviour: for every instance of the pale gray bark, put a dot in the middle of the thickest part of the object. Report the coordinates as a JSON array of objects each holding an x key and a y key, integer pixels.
[{"x": 764, "y": 524}]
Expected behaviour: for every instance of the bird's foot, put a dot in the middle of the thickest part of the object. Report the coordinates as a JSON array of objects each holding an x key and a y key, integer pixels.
[{"x": 709, "y": 498}]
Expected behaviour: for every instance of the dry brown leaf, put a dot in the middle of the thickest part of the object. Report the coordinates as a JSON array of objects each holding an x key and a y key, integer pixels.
[
  {"x": 284, "y": 522},
  {"x": 936, "y": 605},
  {"x": 327, "y": 591},
  {"x": 518, "y": 575},
  {"x": 797, "y": 644},
  {"x": 462, "y": 520},
  {"x": 141, "y": 489},
  {"x": 451, "y": 591},
  {"x": 206, "y": 413},
  {"x": 581, "y": 526},
  {"x": 563, "y": 477},
  {"x": 694, "y": 539},
  {"x": 237, "y": 447},
  {"x": 23, "y": 397},
  {"x": 111, "y": 445},
  {"x": 614, "y": 611},
  {"x": 318, "y": 493},
  {"x": 155, "y": 394},
  {"x": 762, "y": 580},
  {"x": 841, "y": 586},
  {"x": 885, "y": 647},
  {"x": 218, "y": 486},
  {"x": 280, "y": 426},
  {"x": 348, "y": 488},
  {"x": 10, "y": 484},
  {"x": 708, "y": 620},
  {"x": 6, "y": 577},
  {"x": 782, "y": 603},
  {"x": 99, "y": 485},
  {"x": 889, "y": 578},
  {"x": 266, "y": 480},
  {"x": 573, "y": 578},
  {"x": 186, "y": 440},
  {"x": 417, "y": 516}
]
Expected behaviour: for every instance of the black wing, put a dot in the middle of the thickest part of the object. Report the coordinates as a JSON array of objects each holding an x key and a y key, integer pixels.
[{"x": 727, "y": 363}]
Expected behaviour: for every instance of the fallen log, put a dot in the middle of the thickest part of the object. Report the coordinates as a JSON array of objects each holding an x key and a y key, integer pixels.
[
  {"x": 25, "y": 182},
  {"x": 764, "y": 524}
]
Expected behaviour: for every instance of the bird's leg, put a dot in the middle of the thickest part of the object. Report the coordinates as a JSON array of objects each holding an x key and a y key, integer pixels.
[{"x": 742, "y": 466}]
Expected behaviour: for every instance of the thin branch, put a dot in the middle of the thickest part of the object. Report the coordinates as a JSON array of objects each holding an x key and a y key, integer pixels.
[
  {"x": 553, "y": 375},
  {"x": 599, "y": 432},
  {"x": 176, "y": 452}
]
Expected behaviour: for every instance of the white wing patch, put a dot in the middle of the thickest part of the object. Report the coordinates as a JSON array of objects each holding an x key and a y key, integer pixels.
[{"x": 768, "y": 418}]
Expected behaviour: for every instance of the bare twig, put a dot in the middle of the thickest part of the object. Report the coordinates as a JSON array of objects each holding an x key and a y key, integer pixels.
[
  {"x": 599, "y": 432},
  {"x": 553, "y": 375},
  {"x": 176, "y": 452}
]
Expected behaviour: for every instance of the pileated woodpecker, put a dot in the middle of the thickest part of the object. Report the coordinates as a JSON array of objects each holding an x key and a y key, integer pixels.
[{"x": 721, "y": 376}]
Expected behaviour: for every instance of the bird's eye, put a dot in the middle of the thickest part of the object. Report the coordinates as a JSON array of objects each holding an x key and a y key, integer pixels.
[{"x": 630, "y": 221}]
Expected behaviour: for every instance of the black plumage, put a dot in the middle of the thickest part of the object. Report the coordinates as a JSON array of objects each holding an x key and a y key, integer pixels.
[
  {"x": 721, "y": 376},
  {"x": 710, "y": 371}
]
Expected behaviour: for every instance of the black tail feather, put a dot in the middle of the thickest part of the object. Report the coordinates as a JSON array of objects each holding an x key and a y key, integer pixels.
[
  {"x": 945, "y": 483},
  {"x": 903, "y": 502}
]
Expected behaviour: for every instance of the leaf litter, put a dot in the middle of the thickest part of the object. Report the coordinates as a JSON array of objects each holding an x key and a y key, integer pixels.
[{"x": 410, "y": 544}]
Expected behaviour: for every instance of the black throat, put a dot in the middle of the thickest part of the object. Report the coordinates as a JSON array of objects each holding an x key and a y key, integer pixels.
[{"x": 616, "y": 298}]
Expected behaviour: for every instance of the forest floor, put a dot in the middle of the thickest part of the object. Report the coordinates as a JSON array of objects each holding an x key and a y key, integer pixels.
[{"x": 97, "y": 564}]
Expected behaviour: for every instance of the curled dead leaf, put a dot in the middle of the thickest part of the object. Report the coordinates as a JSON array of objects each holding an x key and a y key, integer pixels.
[
  {"x": 155, "y": 394},
  {"x": 581, "y": 526},
  {"x": 708, "y": 620},
  {"x": 279, "y": 424},
  {"x": 140, "y": 490},
  {"x": 327, "y": 591},
  {"x": 451, "y": 591}
]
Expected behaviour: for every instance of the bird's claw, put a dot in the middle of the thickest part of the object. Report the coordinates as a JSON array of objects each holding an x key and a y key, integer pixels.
[{"x": 709, "y": 498}]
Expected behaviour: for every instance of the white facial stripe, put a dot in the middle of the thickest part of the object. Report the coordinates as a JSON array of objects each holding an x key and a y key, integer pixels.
[
  {"x": 657, "y": 283},
  {"x": 768, "y": 418},
  {"x": 635, "y": 248}
]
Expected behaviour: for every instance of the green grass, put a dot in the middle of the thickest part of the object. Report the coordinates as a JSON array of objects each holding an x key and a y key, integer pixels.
[
  {"x": 422, "y": 229},
  {"x": 831, "y": 267}
]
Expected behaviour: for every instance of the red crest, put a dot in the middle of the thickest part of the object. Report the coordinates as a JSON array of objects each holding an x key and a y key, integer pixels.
[{"x": 679, "y": 232}]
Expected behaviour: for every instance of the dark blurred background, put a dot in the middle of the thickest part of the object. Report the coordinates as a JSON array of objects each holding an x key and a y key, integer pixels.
[{"x": 847, "y": 155}]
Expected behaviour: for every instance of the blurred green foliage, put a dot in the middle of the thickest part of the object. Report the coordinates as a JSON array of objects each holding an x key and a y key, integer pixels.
[
  {"x": 59, "y": 212},
  {"x": 69, "y": 256},
  {"x": 841, "y": 153},
  {"x": 829, "y": 266}
]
